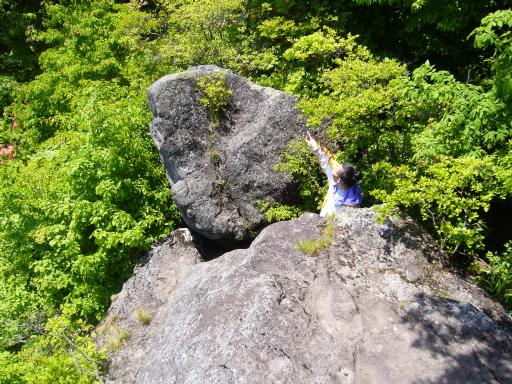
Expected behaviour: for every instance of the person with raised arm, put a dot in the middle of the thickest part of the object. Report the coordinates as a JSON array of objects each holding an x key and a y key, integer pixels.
[{"x": 342, "y": 178}]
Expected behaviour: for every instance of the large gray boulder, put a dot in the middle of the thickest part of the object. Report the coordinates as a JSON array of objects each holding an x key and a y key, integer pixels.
[
  {"x": 218, "y": 173},
  {"x": 374, "y": 306}
]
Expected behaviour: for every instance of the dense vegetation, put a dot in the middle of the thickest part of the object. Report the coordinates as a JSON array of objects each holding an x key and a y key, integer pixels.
[{"x": 416, "y": 93}]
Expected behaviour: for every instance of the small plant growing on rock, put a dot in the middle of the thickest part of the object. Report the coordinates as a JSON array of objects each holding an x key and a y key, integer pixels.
[
  {"x": 215, "y": 95},
  {"x": 142, "y": 316},
  {"x": 222, "y": 185},
  {"x": 313, "y": 247},
  {"x": 277, "y": 212},
  {"x": 214, "y": 156},
  {"x": 115, "y": 335}
]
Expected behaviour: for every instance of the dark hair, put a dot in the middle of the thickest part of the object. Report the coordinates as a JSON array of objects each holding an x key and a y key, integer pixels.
[{"x": 348, "y": 174}]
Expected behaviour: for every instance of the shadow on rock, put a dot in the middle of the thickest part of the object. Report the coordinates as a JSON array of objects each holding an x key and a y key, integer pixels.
[{"x": 478, "y": 350}]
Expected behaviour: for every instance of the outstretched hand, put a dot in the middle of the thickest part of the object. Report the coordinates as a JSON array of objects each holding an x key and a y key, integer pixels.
[{"x": 311, "y": 140}]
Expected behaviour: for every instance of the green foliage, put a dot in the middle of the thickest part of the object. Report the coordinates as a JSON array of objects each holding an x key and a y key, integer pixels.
[
  {"x": 412, "y": 30},
  {"x": 82, "y": 192},
  {"x": 298, "y": 161},
  {"x": 455, "y": 118},
  {"x": 278, "y": 212},
  {"x": 497, "y": 278},
  {"x": 445, "y": 17},
  {"x": 62, "y": 353},
  {"x": 359, "y": 92},
  {"x": 88, "y": 201},
  {"x": 461, "y": 150},
  {"x": 426, "y": 142},
  {"x": 202, "y": 31},
  {"x": 450, "y": 195},
  {"x": 359, "y": 106},
  {"x": 316, "y": 45},
  {"x": 215, "y": 94},
  {"x": 74, "y": 222},
  {"x": 7, "y": 86},
  {"x": 18, "y": 55},
  {"x": 88, "y": 194},
  {"x": 278, "y": 28},
  {"x": 288, "y": 54},
  {"x": 214, "y": 156},
  {"x": 495, "y": 32},
  {"x": 313, "y": 247}
]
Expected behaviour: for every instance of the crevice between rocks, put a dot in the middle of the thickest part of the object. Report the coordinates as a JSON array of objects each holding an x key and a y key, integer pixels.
[{"x": 211, "y": 249}]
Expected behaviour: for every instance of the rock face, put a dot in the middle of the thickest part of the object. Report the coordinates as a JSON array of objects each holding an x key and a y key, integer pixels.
[
  {"x": 145, "y": 298},
  {"x": 219, "y": 170},
  {"x": 374, "y": 306}
]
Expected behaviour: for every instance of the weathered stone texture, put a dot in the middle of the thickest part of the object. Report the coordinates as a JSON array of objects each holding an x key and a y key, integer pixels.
[
  {"x": 149, "y": 291},
  {"x": 376, "y": 306},
  {"x": 219, "y": 174}
]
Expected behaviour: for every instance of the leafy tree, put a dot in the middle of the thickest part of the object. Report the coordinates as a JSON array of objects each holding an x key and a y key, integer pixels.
[
  {"x": 205, "y": 31},
  {"x": 87, "y": 194},
  {"x": 90, "y": 42},
  {"x": 455, "y": 118},
  {"x": 411, "y": 30},
  {"x": 353, "y": 107},
  {"x": 82, "y": 210},
  {"x": 358, "y": 104},
  {"x": 450, "y": 196},
  {"x": 495, "y": 32},
  {"x": 426, "y": 142},
  {"x": 463, "y": 149},
  {"x": 18, "y": 54}
]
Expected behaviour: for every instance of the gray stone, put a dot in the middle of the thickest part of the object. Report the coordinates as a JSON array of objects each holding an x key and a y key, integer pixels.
[
  {"x": 148, "y": 292},
  {"x": 376, "y": 306},
  {"x": 218, "y": 175}
]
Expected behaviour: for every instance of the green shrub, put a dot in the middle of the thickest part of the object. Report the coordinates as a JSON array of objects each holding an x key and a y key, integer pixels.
[
  {"x": 497, "y": 278},
  {"x": 87, "y": 195},
  {"x": 278, "y": 212},
  {"x": 299, "y": 161},
  {"x": 450, "y": 196},
  {"x": 215, "y": 95},
  {"x": 61, "y": 352}
]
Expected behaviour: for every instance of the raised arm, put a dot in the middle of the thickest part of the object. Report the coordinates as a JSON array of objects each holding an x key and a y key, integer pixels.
[{"x": 325, "y": 158}]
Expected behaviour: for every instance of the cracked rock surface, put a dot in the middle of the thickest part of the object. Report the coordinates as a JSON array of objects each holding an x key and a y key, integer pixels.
[
  {"x": 218, "y": 171},
  {"x": 376, "y": 306},
  {"x": 147, "y": 293}
]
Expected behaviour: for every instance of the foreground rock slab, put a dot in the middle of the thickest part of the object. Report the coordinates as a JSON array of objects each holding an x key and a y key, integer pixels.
[
  {"x": 138, "y": 313},
  {"x": 219, "y": 170},
  {"x": 374, "y": 306}
]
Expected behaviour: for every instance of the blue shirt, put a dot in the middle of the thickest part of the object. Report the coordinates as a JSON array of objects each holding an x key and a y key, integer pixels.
[{"x": 350, "y": 196}]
